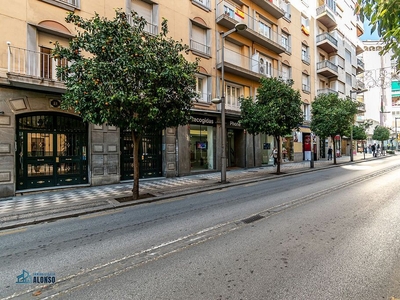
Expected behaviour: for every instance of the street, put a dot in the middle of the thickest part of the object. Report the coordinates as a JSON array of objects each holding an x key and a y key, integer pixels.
[{"x": 329, "y": 234}]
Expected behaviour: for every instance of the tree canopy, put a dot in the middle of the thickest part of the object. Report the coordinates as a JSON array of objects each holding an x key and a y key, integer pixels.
[
  {"x": 276, "y": 110},
  {"x": 383, "y": 16},
  {"x": 381, "y": 133},
  {"x": 359, "y": 133},
  {"x": 123, "y": 76},
  {"x": 332, "y": 116}
]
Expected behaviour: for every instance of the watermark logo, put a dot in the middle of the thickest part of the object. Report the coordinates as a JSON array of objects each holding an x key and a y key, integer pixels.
[{"x": 25, "y": 277}]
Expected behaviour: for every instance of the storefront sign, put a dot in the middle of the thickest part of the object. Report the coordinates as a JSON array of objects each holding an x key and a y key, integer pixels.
[
  {"x": 233, "y": 123},
  {"x": 202, "y": 120}
]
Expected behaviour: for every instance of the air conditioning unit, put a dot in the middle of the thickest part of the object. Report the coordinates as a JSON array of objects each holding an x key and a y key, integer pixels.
[{"x": 262, "y": 69}]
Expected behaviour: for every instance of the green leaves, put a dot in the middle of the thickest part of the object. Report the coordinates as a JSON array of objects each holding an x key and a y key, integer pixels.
[
  {"x": 384, "y": 16},
  {"x": 381, "y": 133},
  {"x": 332, "y": 115},
  {"x": 276, "y": 110},
  {"x": 124, "y": 76}
]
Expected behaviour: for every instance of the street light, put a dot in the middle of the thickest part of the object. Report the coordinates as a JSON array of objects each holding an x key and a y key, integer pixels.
[
  {"x": 238, "y": 27},
  {"x": 395, "y": 131},
  {"x": 351, "y": 128}
]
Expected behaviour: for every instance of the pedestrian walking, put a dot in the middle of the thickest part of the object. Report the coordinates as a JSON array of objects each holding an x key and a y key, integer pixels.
[
  {"x": 330, "y": 153},
  {"x": 274, "y": 154},
  {"x": 373, "y": 148}
]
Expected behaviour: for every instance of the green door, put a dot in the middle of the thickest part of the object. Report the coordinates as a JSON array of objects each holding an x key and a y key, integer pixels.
[{"x": 52, "y": 151}]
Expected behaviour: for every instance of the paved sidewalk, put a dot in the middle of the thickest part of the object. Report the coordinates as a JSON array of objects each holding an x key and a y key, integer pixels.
[{"x": 56, "y": 204}]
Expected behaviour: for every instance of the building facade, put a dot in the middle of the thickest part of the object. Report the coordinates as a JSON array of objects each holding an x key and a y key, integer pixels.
[{"x": 44, "y": 147}]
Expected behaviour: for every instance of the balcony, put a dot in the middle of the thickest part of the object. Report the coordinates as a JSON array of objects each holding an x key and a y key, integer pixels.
[
  {"x": 228, "y": 17},
  {"x": 149, "y": 27},
  {"x": 306, "y": 88},
  {"x": 360, "y": 85},
  {"x": 305, "y": 58},
  {"x": 245, "y": 66},
  {"x": 34, "y": 70},
  {"x": 361, "y": 107},
  {"x": 327, "y": 42},
  {"x": 326, "y": 15},
  {"x": 327, "y": 68},
  {"x": 360, "y": 66},
  {"x": 200, "y": 48},
  {"x": 202, "y": 97},
  {"x": 327, "y": 91},
  {"x": 271, "y": 6}
]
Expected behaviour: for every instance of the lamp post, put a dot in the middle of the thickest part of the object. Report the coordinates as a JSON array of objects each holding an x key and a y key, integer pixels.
[
  {"x": 238, "y": 27},
  {"x": 395, "y": 131},
  {"x": 352, "y": 123}
]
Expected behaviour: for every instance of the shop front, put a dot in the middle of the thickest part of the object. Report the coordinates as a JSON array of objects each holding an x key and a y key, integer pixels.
[
  {"x": 202, "y": 133},
  {"x": 237, "y": 150}
]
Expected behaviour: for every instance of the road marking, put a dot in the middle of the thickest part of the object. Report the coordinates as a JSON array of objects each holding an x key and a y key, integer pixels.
[
  {"x": 354, "y": 167},
  {"x": 12, "y": 231}
]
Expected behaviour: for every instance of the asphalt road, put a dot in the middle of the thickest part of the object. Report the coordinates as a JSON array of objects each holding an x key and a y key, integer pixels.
[{"x": 328, "y": 234}]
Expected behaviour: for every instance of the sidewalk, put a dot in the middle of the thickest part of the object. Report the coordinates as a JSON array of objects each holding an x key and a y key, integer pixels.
[{"x": 57, "y": 204}]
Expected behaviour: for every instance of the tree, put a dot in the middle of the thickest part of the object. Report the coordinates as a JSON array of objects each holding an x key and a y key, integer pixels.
[
  {"x": 359, "y": 133},
  {"x": 123, "y": 76},
  {"x": 381, "y": 133},
  {"x": 383, "y": 16},
  {"x": 275, "y": 112},
  {"x": 332, "y": 116}
]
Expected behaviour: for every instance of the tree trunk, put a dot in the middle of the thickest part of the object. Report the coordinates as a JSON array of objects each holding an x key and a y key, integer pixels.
[
  {"x": 136, "y": 142},
  {"x": 334, "y": 149},
  {"x": 278, "y": 163}
]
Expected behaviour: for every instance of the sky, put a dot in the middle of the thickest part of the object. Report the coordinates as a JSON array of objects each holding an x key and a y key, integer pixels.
[{"x": 367, "y": 33}]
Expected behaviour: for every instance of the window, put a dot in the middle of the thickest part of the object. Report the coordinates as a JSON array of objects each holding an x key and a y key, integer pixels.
[
  {"x": 264, "y": 29},
  {"x": 348, "y": 55},
  {"x": 266, "y": 66},
  {"x": 306, "y": 112},
  {"x": 305, "y": 54},
  {"x": 200, "y": 39},
  {"x": 146, "y": 10},
  {"x": 204, "y": 3},
  {"x": 305, "y": 23},
  {"x": 306, "y": 83},
  {"x": 341, "y": 87},
  {"x": 286, "y": 72},
  {"x": 286, "y": 41},
  {"x": 340, "y": 62},
  {"x": 305, "y": 2},
  {"x": 46, "y": 68},
  {"x": 228, "y": 11},
  {"x": 66, "y": 4},
  {"x": 202, "y": 86},
  {"x": 286, "y": 7},
  {"x": 348, "y": 79},
  {"x": 232, "y": 95}
]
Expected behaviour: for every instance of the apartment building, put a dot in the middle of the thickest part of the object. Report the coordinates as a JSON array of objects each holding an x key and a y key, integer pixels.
[
  {"x": 43, "y": 147},
  {"x": 337, "y": 44}
]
